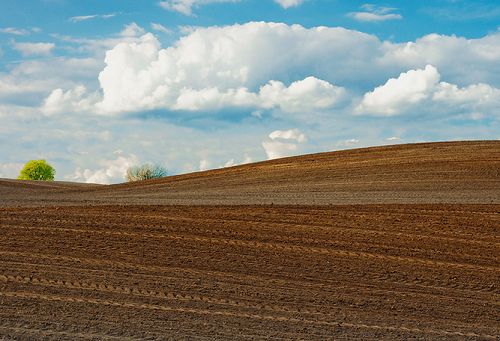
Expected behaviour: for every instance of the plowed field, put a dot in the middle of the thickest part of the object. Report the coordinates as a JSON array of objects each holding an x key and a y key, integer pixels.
[{"x": 129, "y": 262}]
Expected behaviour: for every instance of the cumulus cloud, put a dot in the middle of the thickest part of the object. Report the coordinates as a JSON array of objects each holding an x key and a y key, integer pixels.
[
  {"x": 74, "y": 100},
  {"x": 398, "y": 94},
  {"x": 226, "y": 66},
  {"x": 281, "y": 143},
  {"x": 289, "y": 3},
  {"x": 422, "y": 90},
  {"x": 374, "y": 13},
  {"x": 186, "y": 6},
  {"x": 34, "y": 49},
  {"x": 460, "y": 60},
  {"x": 286, "y": 69},
  {"x": 301, "y": 96},
  {"x": 111, "y": 171}
]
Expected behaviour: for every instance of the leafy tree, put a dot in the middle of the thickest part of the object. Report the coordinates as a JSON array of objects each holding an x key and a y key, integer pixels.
[
  {"x": 37, "y": 170},
  {"x": 145, "y": 172}
]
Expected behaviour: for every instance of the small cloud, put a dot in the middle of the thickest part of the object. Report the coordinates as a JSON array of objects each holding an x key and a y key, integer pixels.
[
  {"x": 186, "y": 6},
  {"x": 348, "y": 143},
  {"x": 374, "y": 13},
  {"x": 283, "y": 143},
  {"x": 289, "y": 3},
  {"x": 204, "y": 165},
  {"x": 230, "y": 163},
  {"x": 292, "y": 134},
  {"x": 160, "y": 28},
  {"x": 132, "y": 30},
  {"x": 394, "y": 138},
  {"x": 34, "y": 49},
  {"x": 90, "y": 17},
  {"x": 14, "y": 31}
]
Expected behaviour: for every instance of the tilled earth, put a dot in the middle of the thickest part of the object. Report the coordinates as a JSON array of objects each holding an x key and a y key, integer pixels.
[
  {"x": 76, "y": 267},
  {"x": 236, "y": 272}
]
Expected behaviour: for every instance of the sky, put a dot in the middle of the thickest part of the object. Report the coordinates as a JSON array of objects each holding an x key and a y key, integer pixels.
[{"x": 95, "y": 87}]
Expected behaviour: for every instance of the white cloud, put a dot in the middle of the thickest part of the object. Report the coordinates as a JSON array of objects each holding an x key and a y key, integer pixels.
[
  {"x": 292, "y": 134},
  {"x": 460, "y": 60},
  {"x": 186, "y": 6},
  {"x": 111, "y": 171},
  {"x": 222, "y": 65},
  {"x": 160, "y": 28},
  {"x": 349, "y": 143},
  {"x": 14, "y": 31},
  {"x": 10, "y": 170},
  {"x": 132, "y": 30},
  {"x": 289, "y": 3},
  {"x": 421, "y": 90},
  {"x": 373, "y": 17},
  {"x": 281, "y": 143},
  {"x": 230, "y": 163},
  {"x": 244, "y": 66},
  {"x": 204, "y": 165},
  {"x": 374, "y": 13},
  {"x": 34, "y": 49},
  {"x": 90, "y": 17},
  {"x": 74, "y": 100},
  {"x": 301, "y": 96},
  {"x": 97, "y": 47},
  {"x": 395, "y": 96},
  {"x": 393, "y": 138},
  {"x": 28, "y": 81}
]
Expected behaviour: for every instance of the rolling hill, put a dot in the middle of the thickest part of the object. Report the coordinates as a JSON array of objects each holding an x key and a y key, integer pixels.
[
  {"x": 396, "y": 242},
  {"x": 447, "y": 172}
]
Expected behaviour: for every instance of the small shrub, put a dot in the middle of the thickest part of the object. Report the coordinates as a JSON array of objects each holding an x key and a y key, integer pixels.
[
  {"x": 37, "y": 170},
  {"x": 145, "y": 172}
]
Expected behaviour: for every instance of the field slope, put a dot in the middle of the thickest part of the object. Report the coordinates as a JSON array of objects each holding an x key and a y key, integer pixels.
[{"x": 398, "y": 242}]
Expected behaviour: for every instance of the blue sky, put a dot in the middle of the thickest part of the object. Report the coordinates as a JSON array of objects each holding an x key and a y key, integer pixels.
[{"x": 97, "y": 86}]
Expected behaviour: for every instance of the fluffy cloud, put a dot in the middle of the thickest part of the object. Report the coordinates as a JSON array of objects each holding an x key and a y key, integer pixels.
[
  {"x": 34, "y": 49},
  {"x": 301, "y": 96},
  {"x": 244, "y": 66},
  {"x": 281, "y": 143},
  {"x": 289, "y": 3},
  {"x": 111, "y": 171},
  {"x": 228, "y": 66},
  {"x": 459, "y": 60},
  {"x": 422, "y": 90},
  {"x": 398, "y": 94},
  {"x": 74, "y": 100},
  {"x": 28, "y": 83},
  {"x": 186, "y": 6}
]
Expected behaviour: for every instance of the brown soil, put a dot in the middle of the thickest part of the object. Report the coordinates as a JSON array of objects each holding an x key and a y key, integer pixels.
[{"x": 124, "y": 262}]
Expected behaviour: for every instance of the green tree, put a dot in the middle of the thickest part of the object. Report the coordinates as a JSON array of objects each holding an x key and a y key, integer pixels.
[
  {"x": 145, "y": 172},
  {"x": 37, "y": 170}
]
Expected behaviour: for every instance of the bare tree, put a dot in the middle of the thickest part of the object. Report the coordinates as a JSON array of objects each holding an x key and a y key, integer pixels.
[{"x": 145, "y": 172}]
